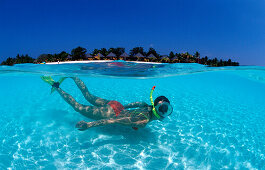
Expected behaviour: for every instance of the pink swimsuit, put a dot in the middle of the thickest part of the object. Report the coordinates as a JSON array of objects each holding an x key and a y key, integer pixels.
[{"x": 116, "y": 106}]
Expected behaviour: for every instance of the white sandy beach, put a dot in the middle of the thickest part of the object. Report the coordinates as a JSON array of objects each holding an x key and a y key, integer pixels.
[
  {"x": 97, "y": 61},
  {"x": 86, "y": 61}
]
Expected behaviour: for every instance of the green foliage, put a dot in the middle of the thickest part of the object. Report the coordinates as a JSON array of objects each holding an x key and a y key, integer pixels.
[
  {"x": 52, "y": 57},
  {"x": 42, "y": 58},
  {"x": 62, "y": 56},
  {"x": 95, "y": 52},
  {"x": 18, "y": 60},
  {"x": 118, "y": 51},
  {"x": 179, "y": 57},
  {"x": 185, "y": 57},
  {"x": 136, "y": 50},
  {"x": 152, "y": 51},
  {"x": 217, "y": 63},
  {"x": 104, "y": 51},
  {"x": 78, "y": 53},
  {"x": 171, "y": 55},
  {"x": 23, "y": 59},
  {"x": 9, "y": 61},
  {"x": 196, "y": 55}
]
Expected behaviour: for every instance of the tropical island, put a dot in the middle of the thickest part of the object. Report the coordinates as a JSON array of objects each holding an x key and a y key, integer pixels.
[{"x": 135, "y": 54}]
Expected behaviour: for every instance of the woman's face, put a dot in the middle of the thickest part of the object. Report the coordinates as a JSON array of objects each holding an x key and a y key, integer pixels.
[{"x": 163, "y": 108}]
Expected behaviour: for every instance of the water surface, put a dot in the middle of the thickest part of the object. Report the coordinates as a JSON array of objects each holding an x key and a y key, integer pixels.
[{"x": 218, "y": 119}]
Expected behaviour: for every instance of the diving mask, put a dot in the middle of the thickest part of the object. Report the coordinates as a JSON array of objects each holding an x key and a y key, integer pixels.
[
  {"x": 161, "y": 110},
  {"x": 164, "y": 109}
]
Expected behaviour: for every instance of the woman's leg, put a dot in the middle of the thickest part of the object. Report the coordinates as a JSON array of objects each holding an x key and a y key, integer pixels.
[
  {"x": 96, "y": 101},
  {"x": 92, "y": 112}
]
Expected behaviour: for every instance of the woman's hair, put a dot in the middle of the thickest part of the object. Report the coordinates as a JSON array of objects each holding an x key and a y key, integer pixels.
[{"x": 161, "y": 98}]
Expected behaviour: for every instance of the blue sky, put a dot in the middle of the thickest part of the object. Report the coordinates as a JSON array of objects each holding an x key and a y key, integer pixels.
[{"x": 222, "y": 28}]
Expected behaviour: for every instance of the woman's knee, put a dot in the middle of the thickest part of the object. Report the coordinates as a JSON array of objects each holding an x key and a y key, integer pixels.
[{"x": 78, "y": 107}]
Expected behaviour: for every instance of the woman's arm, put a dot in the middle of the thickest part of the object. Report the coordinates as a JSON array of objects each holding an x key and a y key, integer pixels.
[
  {"x": 136, "y": 104},
  {"x": 127, "y": 121}
]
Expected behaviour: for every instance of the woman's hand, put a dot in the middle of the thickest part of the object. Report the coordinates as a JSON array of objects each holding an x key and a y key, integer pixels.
[{"x": 82, "y": 125}]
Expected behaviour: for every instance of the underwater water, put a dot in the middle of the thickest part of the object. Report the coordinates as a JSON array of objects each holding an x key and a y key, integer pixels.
[{"x": 218, "y": 119}]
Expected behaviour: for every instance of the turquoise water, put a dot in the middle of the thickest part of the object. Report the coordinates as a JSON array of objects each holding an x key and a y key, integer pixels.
[{"x": 218, "y": 119}]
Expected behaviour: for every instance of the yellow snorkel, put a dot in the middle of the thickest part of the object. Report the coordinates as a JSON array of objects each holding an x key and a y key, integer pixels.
[{"x": 152, "y": 102}]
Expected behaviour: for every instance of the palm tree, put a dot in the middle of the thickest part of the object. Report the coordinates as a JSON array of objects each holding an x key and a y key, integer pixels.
[
  {"x": 137, "y": 50},
  {"x": 197, "y": 54},
  {"x": 171, "y": 55},
  {"x": 95, "y": 52},
  {"x": 78, "y": 53},
  {"x": 152, "y": 51},
  {"x": 104, "y": 51}
]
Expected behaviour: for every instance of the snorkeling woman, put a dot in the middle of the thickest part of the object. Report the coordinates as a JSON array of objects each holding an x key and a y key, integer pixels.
[{"x": 108, "y": 112}]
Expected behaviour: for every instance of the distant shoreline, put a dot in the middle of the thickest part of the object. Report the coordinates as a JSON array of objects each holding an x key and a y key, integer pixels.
[
  {"x": 137, "y": 55},
  {"x": 95, "y": 61}
]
